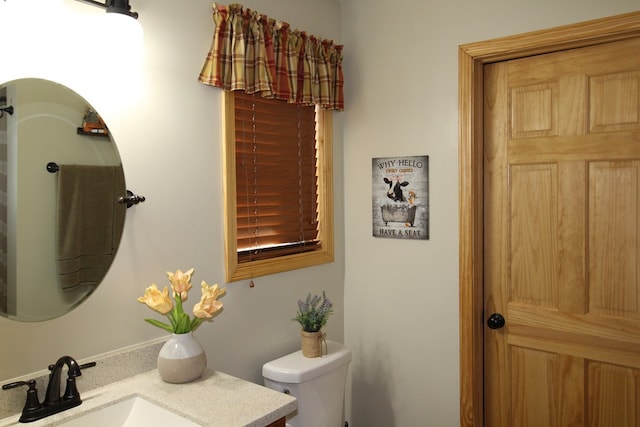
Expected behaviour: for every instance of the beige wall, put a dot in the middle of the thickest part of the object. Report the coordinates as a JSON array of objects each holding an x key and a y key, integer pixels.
[
  {"x": 167, "y": 129},
  {"x": 401, "y": 297}
]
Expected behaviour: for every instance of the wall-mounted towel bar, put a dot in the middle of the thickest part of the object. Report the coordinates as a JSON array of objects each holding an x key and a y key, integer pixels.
[
  {"x": 129, "y": 199},
  {"x": 8, "y": 109}
]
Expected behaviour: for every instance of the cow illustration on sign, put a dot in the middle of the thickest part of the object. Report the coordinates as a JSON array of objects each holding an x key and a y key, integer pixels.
[{"x": 400, "y": 197}]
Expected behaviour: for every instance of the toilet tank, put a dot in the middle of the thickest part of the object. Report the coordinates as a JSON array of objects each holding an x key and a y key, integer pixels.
[{"x": 317, "y": 383}]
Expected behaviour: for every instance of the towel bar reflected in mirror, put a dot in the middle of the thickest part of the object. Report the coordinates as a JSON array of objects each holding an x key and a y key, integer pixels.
[{"x": 130, "y": 199}]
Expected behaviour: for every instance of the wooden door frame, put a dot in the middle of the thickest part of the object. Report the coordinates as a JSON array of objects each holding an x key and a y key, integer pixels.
[{"x": 471, "y": 59}]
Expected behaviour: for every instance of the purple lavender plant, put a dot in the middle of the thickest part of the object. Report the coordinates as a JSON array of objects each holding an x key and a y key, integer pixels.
[{"x": 313, "y": 312}]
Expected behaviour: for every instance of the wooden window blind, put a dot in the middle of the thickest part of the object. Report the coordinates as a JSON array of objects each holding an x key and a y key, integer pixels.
[{"x": 276, "y": 178}]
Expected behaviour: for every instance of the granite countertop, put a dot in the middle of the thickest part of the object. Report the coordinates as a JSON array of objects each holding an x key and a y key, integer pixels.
[{"x": 216, "y": 399}]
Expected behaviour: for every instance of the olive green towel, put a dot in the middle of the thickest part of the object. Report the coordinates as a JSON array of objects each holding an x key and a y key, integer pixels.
[{"x": 90, "y": 222}]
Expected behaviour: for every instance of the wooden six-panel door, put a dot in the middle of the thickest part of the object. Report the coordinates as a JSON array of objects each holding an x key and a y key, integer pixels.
[{"x": 562, "y": 238}]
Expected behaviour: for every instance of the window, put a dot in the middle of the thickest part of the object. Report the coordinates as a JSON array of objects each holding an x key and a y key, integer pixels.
[{"x": 278, "y": 186}]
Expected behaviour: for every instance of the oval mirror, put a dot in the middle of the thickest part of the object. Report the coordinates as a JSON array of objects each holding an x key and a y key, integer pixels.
[{"x": 60, "y": 177}]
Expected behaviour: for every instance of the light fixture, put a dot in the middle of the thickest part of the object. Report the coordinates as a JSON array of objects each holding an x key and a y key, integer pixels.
[{"x": 114, "y": 6}]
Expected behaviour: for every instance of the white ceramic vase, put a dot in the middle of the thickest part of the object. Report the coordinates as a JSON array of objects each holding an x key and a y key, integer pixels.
[{"x": 181, "y": 359}]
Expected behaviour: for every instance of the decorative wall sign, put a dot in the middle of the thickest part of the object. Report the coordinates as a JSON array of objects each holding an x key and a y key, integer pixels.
[{"x": 401, "y": 197}]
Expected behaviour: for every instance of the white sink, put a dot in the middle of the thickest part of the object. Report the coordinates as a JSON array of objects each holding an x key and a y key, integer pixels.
[{"x": 133, "y": 411}]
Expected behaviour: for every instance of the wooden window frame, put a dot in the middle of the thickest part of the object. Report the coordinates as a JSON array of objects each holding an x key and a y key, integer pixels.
[{"x": 325, "y": 254}]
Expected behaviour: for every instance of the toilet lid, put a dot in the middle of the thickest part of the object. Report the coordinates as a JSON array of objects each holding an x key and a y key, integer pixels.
[{"x": 295, "y": 368}]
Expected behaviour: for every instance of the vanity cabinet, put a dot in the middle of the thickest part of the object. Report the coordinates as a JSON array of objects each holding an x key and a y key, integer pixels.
[{"x": 278, "y": 423}]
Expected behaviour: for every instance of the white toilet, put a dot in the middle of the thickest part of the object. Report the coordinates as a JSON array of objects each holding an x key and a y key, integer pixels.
[{"x": 317, "y": 383}]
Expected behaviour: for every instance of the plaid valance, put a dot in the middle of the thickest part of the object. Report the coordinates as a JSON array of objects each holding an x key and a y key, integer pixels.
[{"x": 254, "y": 53}]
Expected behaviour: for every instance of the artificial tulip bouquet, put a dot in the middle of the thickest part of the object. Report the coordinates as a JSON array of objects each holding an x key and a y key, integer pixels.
[{"x": 180, "y": 322}]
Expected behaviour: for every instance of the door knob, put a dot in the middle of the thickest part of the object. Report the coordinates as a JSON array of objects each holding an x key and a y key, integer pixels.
[{"x": 496, "y": 321}]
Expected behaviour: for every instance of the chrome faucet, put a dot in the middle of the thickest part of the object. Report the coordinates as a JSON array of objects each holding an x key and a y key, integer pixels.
[{"x": 53, "y": 402}]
